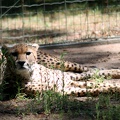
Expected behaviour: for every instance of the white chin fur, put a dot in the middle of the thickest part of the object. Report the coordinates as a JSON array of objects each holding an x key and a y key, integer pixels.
[{"x": 24, "y": 72}]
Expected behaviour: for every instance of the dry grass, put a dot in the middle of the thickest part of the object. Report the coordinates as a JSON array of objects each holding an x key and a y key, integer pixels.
[{"x": 63, "y": 26}]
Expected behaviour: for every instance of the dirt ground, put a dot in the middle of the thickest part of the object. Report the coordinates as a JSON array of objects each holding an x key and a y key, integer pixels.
[{"x": 100, "y": 56}]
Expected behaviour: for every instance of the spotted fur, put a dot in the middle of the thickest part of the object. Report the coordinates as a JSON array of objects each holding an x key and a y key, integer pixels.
[
  {"x": 56, "y": 63},
  {"x": 22, "y": 70}
]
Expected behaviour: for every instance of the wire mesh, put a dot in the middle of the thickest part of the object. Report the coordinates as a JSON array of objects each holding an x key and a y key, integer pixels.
[{"x": 65, "y": 21}]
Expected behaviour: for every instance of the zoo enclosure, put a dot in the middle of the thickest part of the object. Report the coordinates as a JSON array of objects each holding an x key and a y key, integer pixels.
[{"x": 59, "y": 21}]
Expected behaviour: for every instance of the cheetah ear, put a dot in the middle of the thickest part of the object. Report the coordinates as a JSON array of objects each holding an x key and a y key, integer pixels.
[
  {"x": 36, "y": 46},
  {"x": 5, "y": 50}
]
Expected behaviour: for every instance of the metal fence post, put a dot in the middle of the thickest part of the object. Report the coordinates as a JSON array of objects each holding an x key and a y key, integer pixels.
[
  {"x": 22, "y": 5},
  {"x": 1, "y": 21}
]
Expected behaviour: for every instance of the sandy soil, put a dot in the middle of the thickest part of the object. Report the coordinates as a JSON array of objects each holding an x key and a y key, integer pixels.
[{"x": 101, "y": 56}]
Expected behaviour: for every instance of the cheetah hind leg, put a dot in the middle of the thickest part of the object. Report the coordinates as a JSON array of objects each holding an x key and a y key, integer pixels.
[
  {"x": 91, "y": 88},
  {"x": 113, "y": 73}
]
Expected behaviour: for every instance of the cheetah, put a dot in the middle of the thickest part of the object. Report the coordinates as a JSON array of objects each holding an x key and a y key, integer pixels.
[{"x": 23, "y": 73}]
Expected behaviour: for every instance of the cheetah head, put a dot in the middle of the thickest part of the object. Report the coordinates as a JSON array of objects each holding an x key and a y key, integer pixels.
[{"x": 21, "y": 57}]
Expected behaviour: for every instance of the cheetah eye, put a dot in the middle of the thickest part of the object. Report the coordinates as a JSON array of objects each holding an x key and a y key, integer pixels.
[
  {"x": 28, "y": 53},
  {"x": 14, "y": 54}
]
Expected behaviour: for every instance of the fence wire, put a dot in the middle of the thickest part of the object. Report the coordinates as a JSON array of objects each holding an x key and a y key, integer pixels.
[{"x": 64, "y": 21}]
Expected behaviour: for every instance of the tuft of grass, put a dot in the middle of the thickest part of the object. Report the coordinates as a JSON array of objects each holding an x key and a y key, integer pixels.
[
  {"x": 107, "y": 108},
  {"x": 97, "y": 77}
]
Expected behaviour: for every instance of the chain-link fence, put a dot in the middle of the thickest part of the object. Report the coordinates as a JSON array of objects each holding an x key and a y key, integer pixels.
[{"x": 59, "y": 21}]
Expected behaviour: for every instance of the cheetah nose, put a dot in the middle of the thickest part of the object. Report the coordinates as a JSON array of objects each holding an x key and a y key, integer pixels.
[{"x": 21, "y": 63}]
